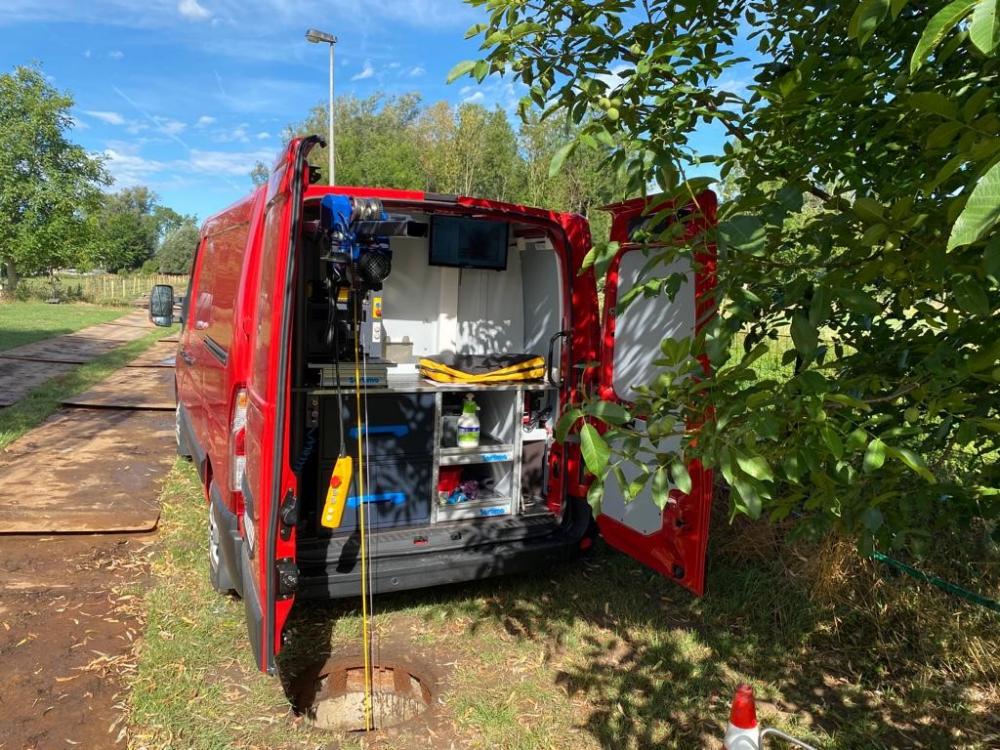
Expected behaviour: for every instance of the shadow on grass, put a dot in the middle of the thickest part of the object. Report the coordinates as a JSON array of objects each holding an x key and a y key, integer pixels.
[{"x": 656, "y": 667}]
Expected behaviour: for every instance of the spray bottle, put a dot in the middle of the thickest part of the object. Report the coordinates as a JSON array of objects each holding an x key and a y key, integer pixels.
[{"x": 468, "y": 424}]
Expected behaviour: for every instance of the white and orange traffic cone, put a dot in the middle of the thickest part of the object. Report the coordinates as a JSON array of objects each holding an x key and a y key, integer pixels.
[{"x": 743, "y": 732}]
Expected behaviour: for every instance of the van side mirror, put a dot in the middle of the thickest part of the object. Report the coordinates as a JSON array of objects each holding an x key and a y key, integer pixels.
[{"x": 161, "y": 305}]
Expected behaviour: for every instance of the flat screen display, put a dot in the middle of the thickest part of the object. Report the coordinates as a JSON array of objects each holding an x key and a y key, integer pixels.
[{"x": 468, "y": 243}]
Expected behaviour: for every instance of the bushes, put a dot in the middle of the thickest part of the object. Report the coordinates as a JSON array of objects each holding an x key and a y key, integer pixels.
[{"x": 101, "y": 289}]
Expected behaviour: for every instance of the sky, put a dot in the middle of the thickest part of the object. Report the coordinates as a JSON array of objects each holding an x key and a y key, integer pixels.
[{"x": 184, "y": 96}]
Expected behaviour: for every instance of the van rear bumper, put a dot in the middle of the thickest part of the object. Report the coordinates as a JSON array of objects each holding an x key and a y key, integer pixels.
[{"x": 430, "y": 567}]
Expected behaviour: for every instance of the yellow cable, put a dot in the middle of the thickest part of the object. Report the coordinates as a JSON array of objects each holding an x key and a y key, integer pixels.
[{"x": 369, "y": 724}]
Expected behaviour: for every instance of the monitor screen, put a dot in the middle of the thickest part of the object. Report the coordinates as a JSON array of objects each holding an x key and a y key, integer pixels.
[{"x": 468, "y": 243}]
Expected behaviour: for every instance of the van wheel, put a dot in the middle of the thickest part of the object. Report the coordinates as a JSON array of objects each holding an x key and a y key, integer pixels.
[{"x": 217, "y": 572}]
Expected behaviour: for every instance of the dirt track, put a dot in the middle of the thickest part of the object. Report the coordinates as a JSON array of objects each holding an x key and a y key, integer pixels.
[
  {"x": 66, "y": 630},
  {"x": 65, "y": 638}
]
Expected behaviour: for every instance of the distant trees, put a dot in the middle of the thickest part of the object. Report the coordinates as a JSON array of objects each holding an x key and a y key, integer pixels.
[
  {"x": 47, "y": 184},
  {"x": 465, "y": 149},
  {"x": 177, "y": 250}
]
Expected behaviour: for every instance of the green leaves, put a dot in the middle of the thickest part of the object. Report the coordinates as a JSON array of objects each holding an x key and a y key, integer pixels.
[
  {"x": 560, "y": 157},
  {"x": 913, "y": 462},
  {"x": 743, "y": 233},
  {"x": 866, "y": 19},
  {"x": 981, "y": 212},
  {"x": 984, "y": 29},
  {"x": 805, "y": 336},
  {"x": 682, "y": 479},
  {"x": 874, "y": 455},
  {"x": 937, "y": 28},
  {"x": 595, "y": 450},
  {"x": 935, "y": 103},
  {"x": 463, "y": 68}
]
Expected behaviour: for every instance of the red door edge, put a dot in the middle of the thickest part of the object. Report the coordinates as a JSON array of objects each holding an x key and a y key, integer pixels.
[
  {"x": 275, "y": 610},
  {"x": 678, "y": 548}
]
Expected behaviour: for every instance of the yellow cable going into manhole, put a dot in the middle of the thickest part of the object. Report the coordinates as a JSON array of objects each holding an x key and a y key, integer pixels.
[{"x": 363, "y": 552}]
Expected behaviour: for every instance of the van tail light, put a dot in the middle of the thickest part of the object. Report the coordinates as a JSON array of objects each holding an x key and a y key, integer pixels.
[{"x": 238, "y": 440}]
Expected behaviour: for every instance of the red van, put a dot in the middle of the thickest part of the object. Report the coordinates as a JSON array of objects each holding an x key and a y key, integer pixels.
[{"x": 310, "y": 305}]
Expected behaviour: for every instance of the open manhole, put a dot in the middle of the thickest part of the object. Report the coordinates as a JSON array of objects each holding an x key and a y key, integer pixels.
[{"x": 332, "y": 695}]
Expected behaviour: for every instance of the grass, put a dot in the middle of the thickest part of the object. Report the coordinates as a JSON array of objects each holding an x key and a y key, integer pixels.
[
  {"x": 24, "y": 322},
  {"x": 596, "y": 654},
  {"x": 39, "y": 403}
]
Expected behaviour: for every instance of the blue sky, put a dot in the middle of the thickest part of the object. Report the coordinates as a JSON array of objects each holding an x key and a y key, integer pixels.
[{"x": 185, "y": 95}]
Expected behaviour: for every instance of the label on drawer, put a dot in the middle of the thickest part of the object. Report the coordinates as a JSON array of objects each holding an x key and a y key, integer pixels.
[
  {"x": 490, "y": 458},
  {"x": 497, "y": 510}
]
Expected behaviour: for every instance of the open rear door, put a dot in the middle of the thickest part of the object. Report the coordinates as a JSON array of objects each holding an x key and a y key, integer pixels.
[
  {"x": 672, "y": 541},
  {"x": 269, "y": 548}
]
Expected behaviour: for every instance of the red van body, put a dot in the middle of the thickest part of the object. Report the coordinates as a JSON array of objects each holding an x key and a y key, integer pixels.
[{"x": 250, "y": 427}]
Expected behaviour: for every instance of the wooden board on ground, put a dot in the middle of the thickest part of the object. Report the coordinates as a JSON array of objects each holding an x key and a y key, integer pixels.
[
  {"x": 129, "y": 388},
  {"x": 136, "y": 318},
  {"x": 19, "y": 376},
  {"x": 84, "y": 345},
  {"x": 171, "y": 339},
  {"x": 86, "y": 470},
  {"x": 70, "y": 349},
  {"x": 158, "y": 355}
]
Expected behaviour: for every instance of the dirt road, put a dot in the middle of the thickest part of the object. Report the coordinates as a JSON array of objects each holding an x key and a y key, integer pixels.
[{"x": 66, "y": 627}]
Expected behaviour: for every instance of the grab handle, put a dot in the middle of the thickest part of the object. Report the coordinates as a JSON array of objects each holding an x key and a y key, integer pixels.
[
  {"x": 548, "y": 359},
  {"x": 396, "y": 498},
  {"x": 396, "y": 430}
]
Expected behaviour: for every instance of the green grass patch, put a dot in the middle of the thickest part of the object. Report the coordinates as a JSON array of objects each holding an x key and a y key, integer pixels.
[
  {"x": 39, "y": 403},
  {"x": 601, "y": 653},
  {"x": 24, "y": 322}
]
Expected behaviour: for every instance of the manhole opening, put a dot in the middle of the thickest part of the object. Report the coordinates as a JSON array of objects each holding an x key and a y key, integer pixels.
[{"x": 336, "y": 698}]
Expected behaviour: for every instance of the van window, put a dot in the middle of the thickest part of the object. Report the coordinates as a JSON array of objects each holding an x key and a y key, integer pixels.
[
  {"x": 186, "y": 302},
  {"x": 270, "y": 252}
]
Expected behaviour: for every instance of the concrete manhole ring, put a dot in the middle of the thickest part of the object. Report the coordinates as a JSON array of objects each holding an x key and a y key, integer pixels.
[{"x": 330, "y": 695}]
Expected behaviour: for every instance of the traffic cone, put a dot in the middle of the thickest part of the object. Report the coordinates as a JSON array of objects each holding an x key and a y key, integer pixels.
[{"x": 743, "y": 733}]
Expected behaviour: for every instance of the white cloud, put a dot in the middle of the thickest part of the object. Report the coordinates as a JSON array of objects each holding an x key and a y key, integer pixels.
[
  {"x": 172, "y": 127},
  {"x": 474, "y": 98},
  {"x": 367, "y": 72},
  {"x": 263, "y": 136},
  {"x": 417, "y": 70},
  {"x": 116, "y": 54},
  {"x": 228, "y": 163},
  {"x": 78, "y": 123},
  {"x": 111, "y": 118},
  {"x": 87, "y": 53},
  {"x": 194, "y": 10},
  {"x": 127, "y": 167},
  {"x": 204, "y": 121}
]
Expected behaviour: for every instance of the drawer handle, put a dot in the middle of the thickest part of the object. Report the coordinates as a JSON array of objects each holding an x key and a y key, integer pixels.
[
  {"x": 396, "y": 430},
  {"x": 396, "y": 498}
]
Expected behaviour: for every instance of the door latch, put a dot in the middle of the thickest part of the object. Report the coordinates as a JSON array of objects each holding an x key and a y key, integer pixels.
[
  {"x": 289, "y": 514},
  {"x": 288, "y": 577}
]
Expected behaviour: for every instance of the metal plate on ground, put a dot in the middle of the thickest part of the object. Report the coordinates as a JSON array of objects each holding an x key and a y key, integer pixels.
[
  {"x": 129, "y": 388},
  {"x": 86, "y": 470},
  {"x": 19, "y": 376},
  {"x": 158, "y": 355}
]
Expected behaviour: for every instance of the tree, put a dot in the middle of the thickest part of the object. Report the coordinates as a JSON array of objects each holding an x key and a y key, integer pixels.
[
  {"x": 46, "y": 182},
  {"x": 125, "y": 229},
  {"x": 259, "y": 174},
  {"x": 177, "y": 250},
  {"x": 883, "y": 420}
]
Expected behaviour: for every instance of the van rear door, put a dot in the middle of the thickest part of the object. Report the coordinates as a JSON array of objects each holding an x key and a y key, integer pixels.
[
  {"x": 671, "y": 541},
  {"x": 269, "y": 552}
]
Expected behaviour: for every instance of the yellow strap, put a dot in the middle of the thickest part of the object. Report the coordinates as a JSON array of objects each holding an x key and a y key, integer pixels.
[{"x": 369, "y": 723}]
